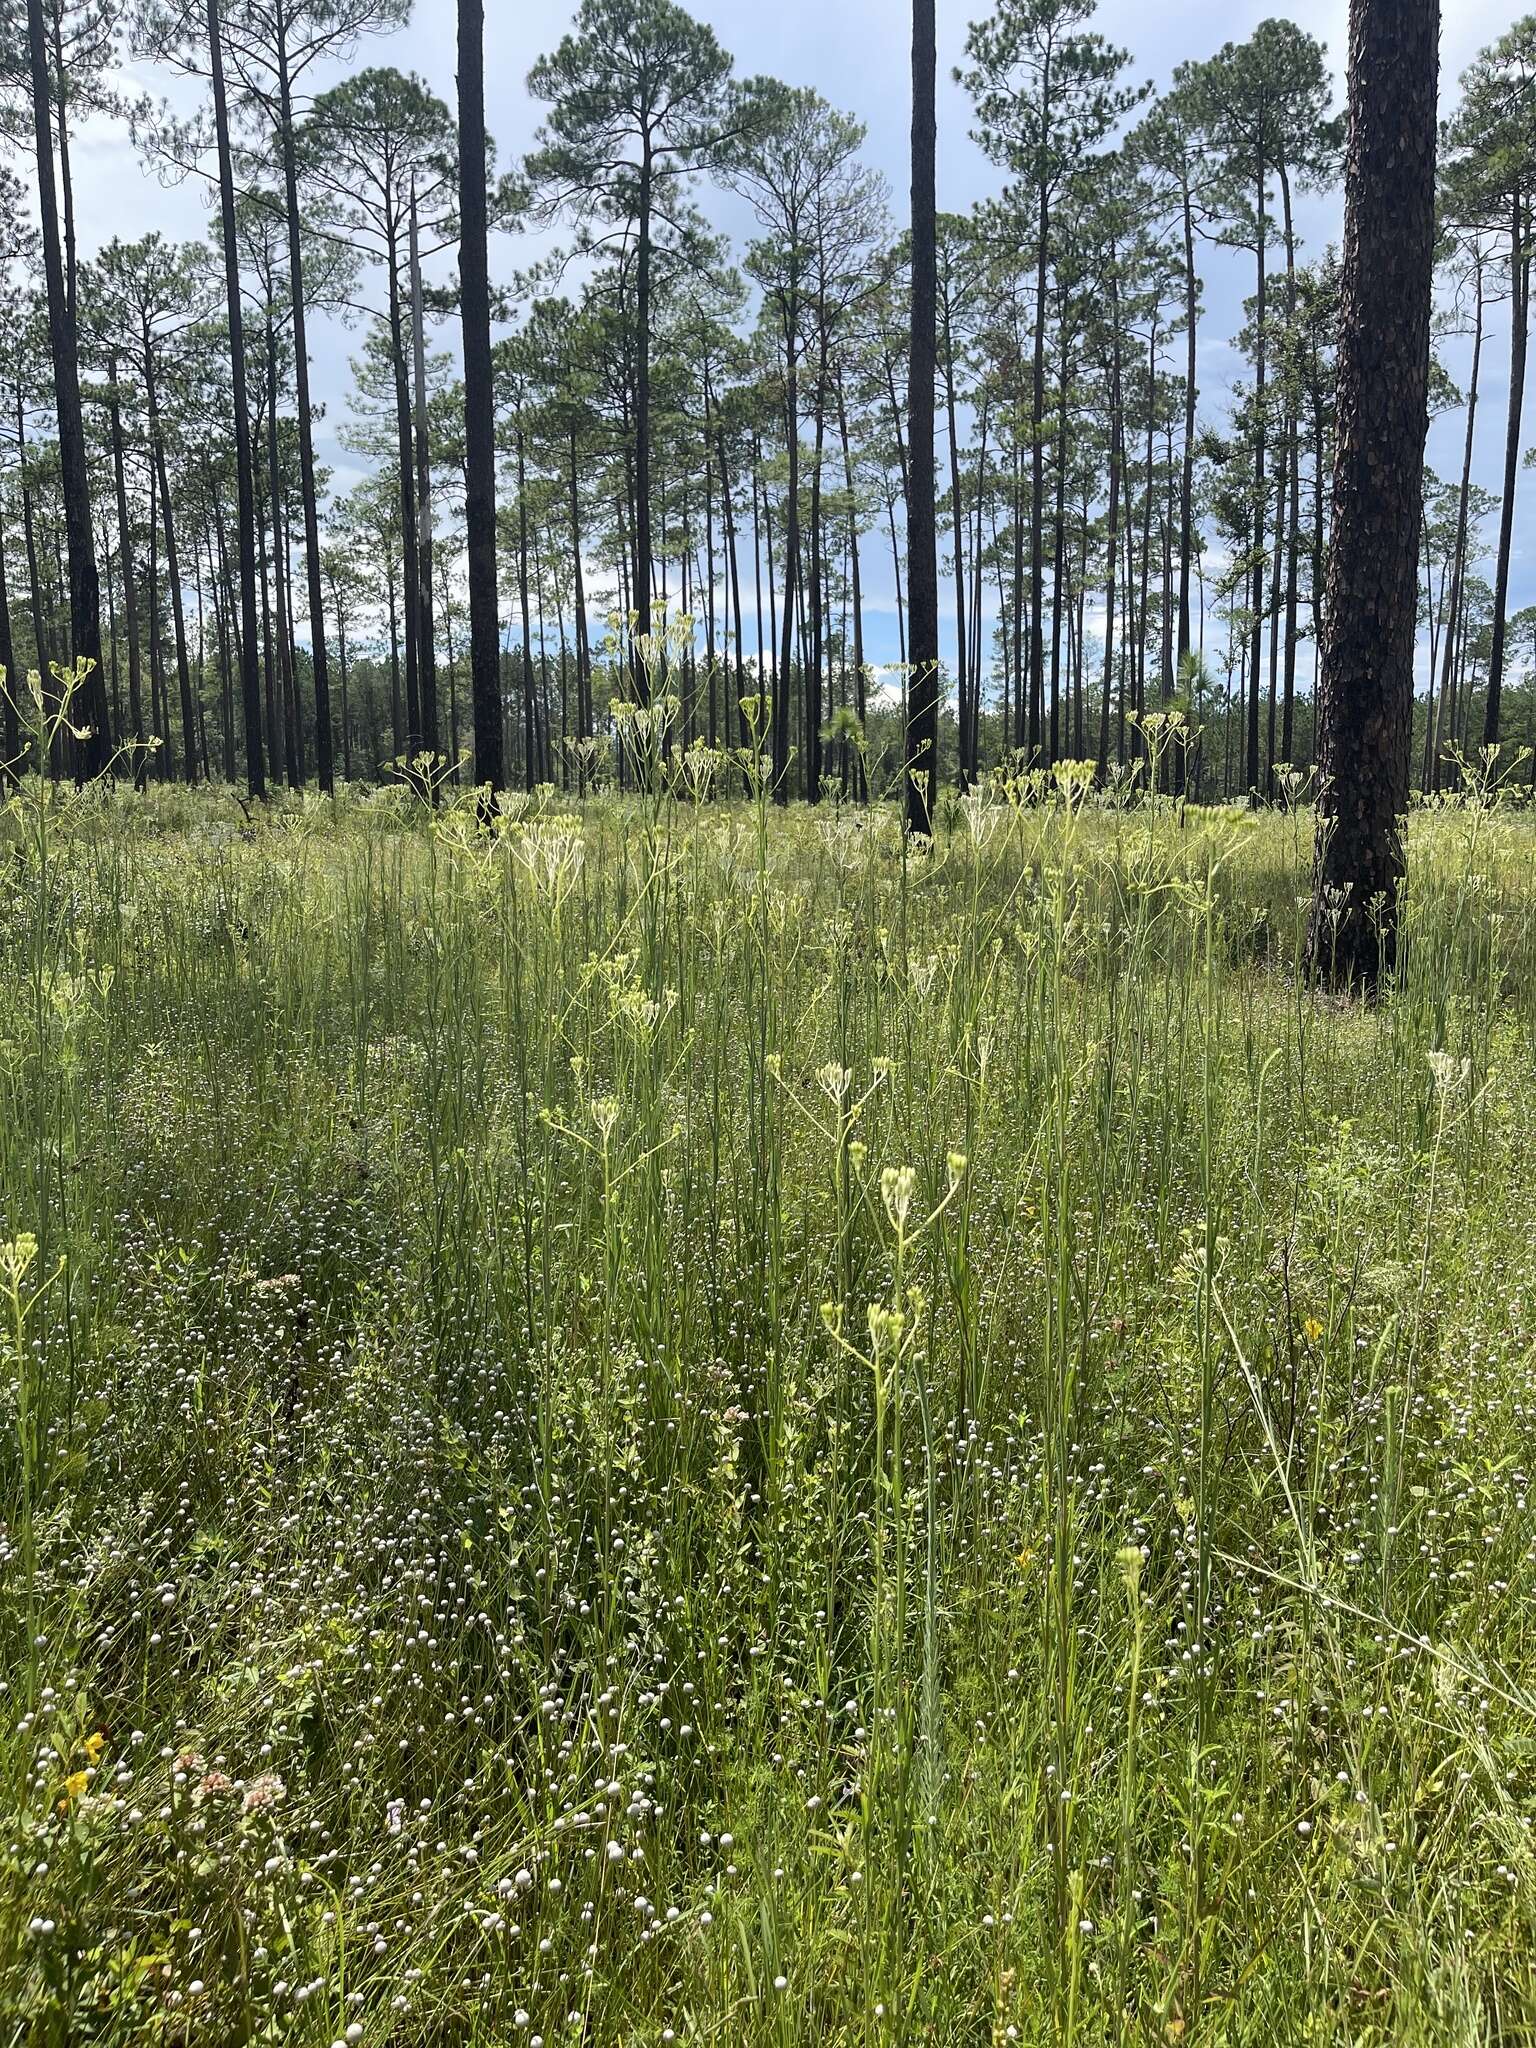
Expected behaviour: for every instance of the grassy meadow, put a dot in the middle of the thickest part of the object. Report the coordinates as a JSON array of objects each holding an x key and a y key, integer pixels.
[{"x": 688, "y": 1424}]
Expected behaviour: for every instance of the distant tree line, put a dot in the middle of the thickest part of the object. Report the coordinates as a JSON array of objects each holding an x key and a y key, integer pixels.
[{"x": 658, "y": 419}]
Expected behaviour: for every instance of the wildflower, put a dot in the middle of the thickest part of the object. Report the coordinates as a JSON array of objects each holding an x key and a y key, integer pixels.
[
  {"x": 16, "y": 1257},
  {"x": 922, "y": 974},
  {"x": 265, "y": 1792},
  {"x": 896, "y": 1185},
  {"x": 981, "y": 816},
  {"x": 834, "y": 1081},
  {"x": 1451, "y": 1077},
  {"x": 1312, "y": 1330},
  {"x": 74, "y": 1789}
]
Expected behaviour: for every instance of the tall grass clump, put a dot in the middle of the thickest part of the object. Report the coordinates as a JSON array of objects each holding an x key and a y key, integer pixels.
[{"x": 675, "y": 1422}]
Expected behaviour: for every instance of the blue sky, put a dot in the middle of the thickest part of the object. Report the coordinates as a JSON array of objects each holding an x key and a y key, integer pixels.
[{"x": 856, "y": 53}]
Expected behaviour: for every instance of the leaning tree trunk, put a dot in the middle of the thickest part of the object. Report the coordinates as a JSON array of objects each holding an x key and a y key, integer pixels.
[
  {"x": 1365, "y": 693},
  {"x": 922, "y": 749}
]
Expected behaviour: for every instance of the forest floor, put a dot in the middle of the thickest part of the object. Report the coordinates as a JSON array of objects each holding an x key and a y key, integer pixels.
[{"x": 688, "y": 1425}]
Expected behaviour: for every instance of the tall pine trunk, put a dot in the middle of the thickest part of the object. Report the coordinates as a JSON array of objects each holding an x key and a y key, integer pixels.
[
  {"x": 93, "y": 753},
  {"x": 324, "y": 747},
  {"x": 1293, "y": 471},
  {"x": 245, "y": 479},
  {"x": 172, "y": 562},
  {"x": 1037, "y": 452},
  {"x": 957, "y": 514},
  {"x": 1459, "y": 561},
  {"x": 814, "y": 595},
  {"x": 791, "y": 544},
  {"x": 530, "y": 745},
  {"x": 644, "y": 573},
  {"x": 1187, "y": 463},
  {"x": 1519, "y": 333},
  {"x": 1365, "y": 703},
  {"x": 922, "y": 738},
  {"x": 479, "y": 408},
  {"x": 10, "y": 682},
  {"x": 860, "y": 782},
  {"x": 1256, "y": 594},
  {"x": 425, "y": 637},
  {"x": 406, "y": 483},
  {"x": 125, "y": 570}
]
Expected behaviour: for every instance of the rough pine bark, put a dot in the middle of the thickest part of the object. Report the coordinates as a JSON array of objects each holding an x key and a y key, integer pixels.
[{"x": 1365, "y": 690}]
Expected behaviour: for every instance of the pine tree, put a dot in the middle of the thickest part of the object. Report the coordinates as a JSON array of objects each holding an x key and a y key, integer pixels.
[
  {"x": 1365, "y": 694},
  {"x": 922, "y": 738}
]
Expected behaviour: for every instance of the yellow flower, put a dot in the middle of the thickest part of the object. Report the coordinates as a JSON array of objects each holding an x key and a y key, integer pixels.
[
  {"x": 74, "y": 1788},
  {"x": 94, "y": 1744},
  {"x": 1312, "y": 1329}
]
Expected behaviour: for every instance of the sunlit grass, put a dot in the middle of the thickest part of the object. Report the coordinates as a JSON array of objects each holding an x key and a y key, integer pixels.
[{"x": 686, "y": 1423}]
